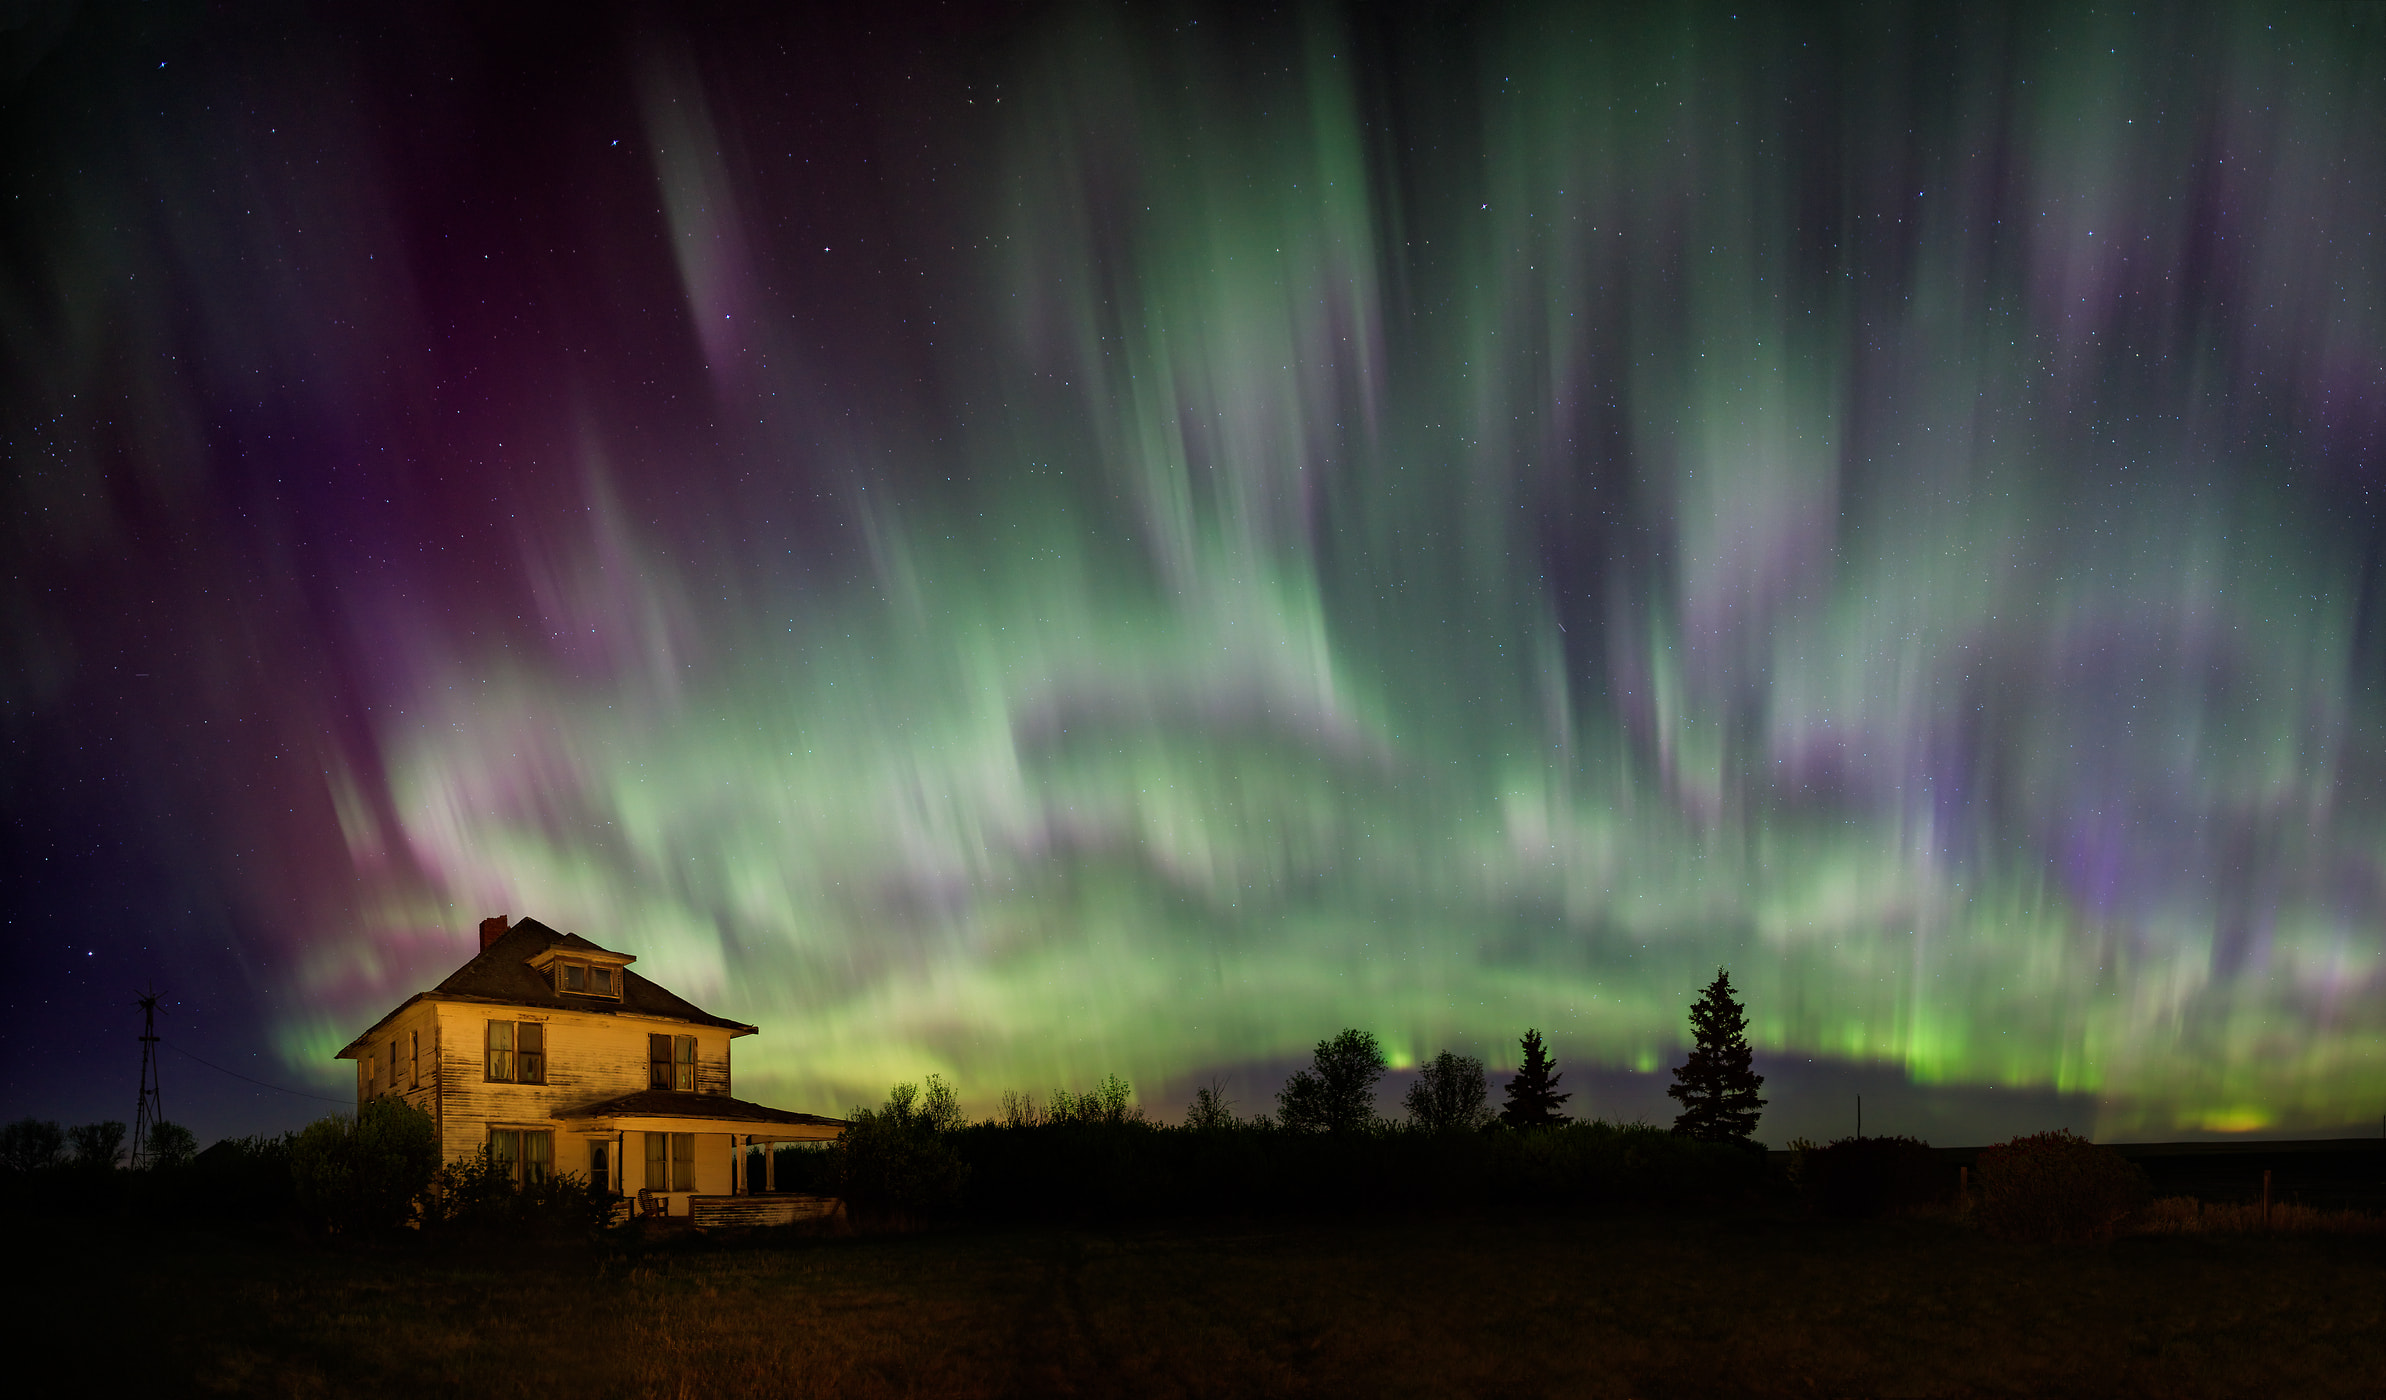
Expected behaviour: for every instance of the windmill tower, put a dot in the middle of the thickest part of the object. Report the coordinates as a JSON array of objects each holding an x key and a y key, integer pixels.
[{"x": 149, "y": 1114}]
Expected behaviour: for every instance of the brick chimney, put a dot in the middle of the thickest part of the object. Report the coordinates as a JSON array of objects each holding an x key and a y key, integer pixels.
[{"x": 491, "y": 931}]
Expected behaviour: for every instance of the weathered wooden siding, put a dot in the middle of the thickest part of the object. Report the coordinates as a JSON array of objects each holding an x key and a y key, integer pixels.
[
  {"x": 422, "y": 1091},
  {"x": 589, "y": 1057},
  {"x": 726, "y": 1212}
]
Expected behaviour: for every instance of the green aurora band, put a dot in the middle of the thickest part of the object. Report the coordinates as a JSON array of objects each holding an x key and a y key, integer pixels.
[{"x": 1446, "y": 544}]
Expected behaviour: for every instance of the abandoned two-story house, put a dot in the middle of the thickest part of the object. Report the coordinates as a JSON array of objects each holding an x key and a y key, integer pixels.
[{"x": 546, "y": 1051}]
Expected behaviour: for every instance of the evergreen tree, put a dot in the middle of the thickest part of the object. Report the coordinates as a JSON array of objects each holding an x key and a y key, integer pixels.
[
  {"x": 1533, "y": 1098},
  {"x": 1716, "y": 1087}
]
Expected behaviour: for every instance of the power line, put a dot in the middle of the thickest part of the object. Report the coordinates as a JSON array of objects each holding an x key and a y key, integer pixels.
[{"x": 236, "y": 1074}]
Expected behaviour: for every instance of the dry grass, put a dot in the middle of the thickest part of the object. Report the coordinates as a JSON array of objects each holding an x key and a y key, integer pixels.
[
  {"x": 2185, "y": 1215},
  {"x": 1432, "y": 1307}
]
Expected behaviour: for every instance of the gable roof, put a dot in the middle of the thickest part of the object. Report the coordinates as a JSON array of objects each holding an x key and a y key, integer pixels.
[{"x": 501, "y": 973}]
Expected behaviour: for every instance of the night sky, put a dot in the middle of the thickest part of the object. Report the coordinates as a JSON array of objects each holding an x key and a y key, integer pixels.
[{"x": 1030, "y": 543}]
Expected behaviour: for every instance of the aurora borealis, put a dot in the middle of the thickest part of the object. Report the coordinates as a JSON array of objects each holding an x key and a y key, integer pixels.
[{"x": 1071, "y": 541}]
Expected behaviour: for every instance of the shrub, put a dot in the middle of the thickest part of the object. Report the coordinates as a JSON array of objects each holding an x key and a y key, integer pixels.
[
  {"x": 367, "y": 1173},
  {"x": 481, "y": 1193},
  {"x": 2056, "y": 1186},
  {"x": 1859, "y": 1178},
  {"x": 807, "y": 1169},
  {"x": 1141, "y": 1170},
  {"x": 896, "y": 1160},
  {"x": 244, "y": 1178}
]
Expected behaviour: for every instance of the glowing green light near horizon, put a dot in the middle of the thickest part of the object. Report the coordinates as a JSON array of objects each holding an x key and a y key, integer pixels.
[{"x": 1253, "y": 712}]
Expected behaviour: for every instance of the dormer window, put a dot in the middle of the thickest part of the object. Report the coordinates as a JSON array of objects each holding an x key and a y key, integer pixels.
[{"x": 588, "y": 979}]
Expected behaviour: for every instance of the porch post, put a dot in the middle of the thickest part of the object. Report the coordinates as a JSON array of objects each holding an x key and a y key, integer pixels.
[{"x": 770, "y": 1166}]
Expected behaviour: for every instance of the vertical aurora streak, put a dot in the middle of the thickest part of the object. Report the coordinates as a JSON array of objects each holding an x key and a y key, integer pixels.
[{"x": 1347, "y": 522}]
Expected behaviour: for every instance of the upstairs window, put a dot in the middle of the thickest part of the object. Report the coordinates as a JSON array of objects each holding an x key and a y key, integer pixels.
[
  {"x": 530, "y": 1053},
  {"x": 517, "y": 1052},
  {"x": 671, "y": 1062},
  {"x": 587, "y": 979}
]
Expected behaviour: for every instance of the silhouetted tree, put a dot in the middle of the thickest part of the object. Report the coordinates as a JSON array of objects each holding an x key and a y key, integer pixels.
[
  {"x": 1449, "y": 1094},
  {"x": 1210, "y": 1109},
  {"x": 368, "y": 1173},
  {"x": 31, "y": 1145},
  {"x": 170, "y": 1145},
  {"x": 1111, "y": 1101},
  {"x": 1716, "y": 1087},
  {"x": 1336, "y": 1094},
  {"x": 898, "y": 1157},
  {"x": 97, "y": 1145},
  {"x": 1533, "y": 1098}
]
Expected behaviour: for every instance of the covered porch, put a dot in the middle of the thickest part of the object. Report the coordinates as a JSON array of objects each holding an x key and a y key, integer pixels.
[{"x": 684, "y": 1155}]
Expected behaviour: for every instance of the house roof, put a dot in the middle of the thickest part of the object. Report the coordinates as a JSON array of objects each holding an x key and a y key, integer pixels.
[
  {"x": 501, "y": 974},
  {"x": 669, "y": 1103}
]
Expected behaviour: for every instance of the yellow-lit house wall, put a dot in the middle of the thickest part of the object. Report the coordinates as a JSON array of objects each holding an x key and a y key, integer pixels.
[
  {"x": 590, "y": 1057},
  {"x": 435, "y": 1055}
]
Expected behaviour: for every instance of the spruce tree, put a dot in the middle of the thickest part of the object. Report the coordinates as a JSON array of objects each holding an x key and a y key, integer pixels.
[
  {"x": 1532, "y": 1095},
  {"x": 1716, "y": 1087}
]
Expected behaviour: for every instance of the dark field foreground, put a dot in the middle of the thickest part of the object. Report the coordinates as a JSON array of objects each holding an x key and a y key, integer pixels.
[{"x": 1432, "y": 1307}]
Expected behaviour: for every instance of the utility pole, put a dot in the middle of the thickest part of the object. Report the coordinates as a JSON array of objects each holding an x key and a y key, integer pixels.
[{"x": 150, "y": 1113}]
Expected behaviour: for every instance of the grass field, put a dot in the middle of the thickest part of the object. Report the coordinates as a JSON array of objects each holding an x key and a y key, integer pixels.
[{"x": 1421, "y": 1307}]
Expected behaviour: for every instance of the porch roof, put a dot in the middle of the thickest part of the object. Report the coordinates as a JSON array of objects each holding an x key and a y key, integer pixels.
[{"x": 669, "y": 1110}]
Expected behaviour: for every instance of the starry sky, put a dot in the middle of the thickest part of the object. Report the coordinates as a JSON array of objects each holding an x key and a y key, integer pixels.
[{"x": 1032, "y": 542}]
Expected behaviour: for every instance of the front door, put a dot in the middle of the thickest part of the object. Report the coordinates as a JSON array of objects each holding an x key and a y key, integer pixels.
[{"x": 599, "y": 1179}]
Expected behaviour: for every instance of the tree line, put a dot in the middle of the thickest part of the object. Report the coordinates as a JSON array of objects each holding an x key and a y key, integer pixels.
[
  {"x": 1716, "y": 1086},
  {"x": 1325, "y": 1148}
]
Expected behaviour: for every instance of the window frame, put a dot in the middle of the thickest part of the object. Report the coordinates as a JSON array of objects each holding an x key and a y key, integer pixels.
[
  {"x": 527, "y": 1060},
  {"x": 489, "y": 1062},
  {"x": 683, "y": 1161},
  {"x": 563, "y": 968},
  {"x": 520, "y": 1062},
  {"x": 414, "y": 1059},
  {"x": 518, "y": 1155},
  {"x": 683, "y": 1064}
]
